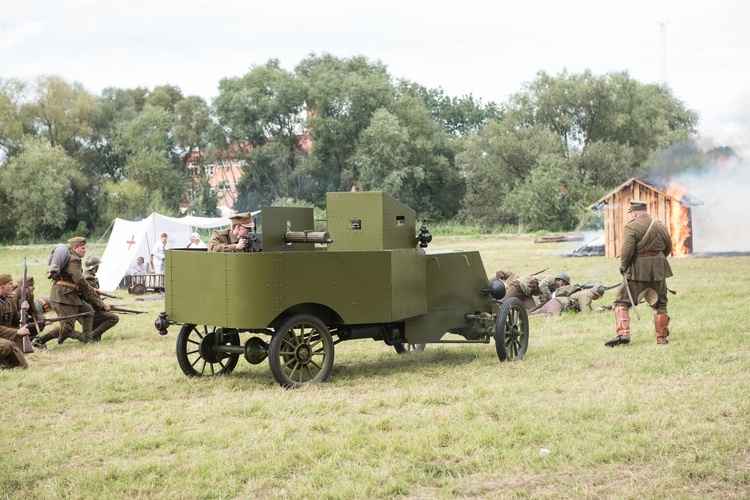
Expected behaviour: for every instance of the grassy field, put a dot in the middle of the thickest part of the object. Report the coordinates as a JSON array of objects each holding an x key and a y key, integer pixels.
[{"x": 118, "y": 419}]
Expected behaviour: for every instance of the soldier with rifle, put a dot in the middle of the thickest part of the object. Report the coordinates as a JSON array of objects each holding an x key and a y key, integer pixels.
[
  {"x": 23, "y": 296},
  {"x": 41, "y": 340},
  {"x": 11, "y": 338},
  {"x": 537, "y": 285},
  {"x": 103, "y": 319},
  {"x": 576, "y": 298},
  {"x": 643, "y": 264},
  {"x": 71, "y": 293}
]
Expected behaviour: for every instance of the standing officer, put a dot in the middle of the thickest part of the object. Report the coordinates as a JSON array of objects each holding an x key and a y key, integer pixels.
[
  {"x": 10, "y": 337},
  {"x": 643, "y": 263},
  {"x": 69, "y": 290},
  {"x": 103, "y": 320}
]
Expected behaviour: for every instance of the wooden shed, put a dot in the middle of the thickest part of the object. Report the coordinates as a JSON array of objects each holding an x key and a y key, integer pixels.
[{"x": 667, "y": 202}]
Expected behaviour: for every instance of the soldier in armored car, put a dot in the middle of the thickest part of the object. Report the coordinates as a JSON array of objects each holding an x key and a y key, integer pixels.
[
  {"x": 69, "y": 291},
  {"x": 235, "y": 239},
  {"x": 10, "y": 337}
]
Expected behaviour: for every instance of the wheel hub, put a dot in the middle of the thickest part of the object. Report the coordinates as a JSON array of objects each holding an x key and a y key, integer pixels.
[
  {"x": 303, "y": 353},
  {"x": 206, "y": 347}
]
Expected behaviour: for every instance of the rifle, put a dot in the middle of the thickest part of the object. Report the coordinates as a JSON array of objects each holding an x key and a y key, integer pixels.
[
  {"x": 71, "y": 316},
  {"x": 539, "y": 272},
  {"x": 108, "y": 295},
  {"x": 123, "y": 310},
  {"x": 25, "y": 338}
]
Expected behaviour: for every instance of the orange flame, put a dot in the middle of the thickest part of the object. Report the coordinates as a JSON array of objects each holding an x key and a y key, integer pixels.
[{"x": 679, "y": 222}]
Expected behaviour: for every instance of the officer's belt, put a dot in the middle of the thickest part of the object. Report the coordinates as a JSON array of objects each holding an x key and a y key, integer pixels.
[
  {"x": 68, "y": 284},
  {"x": 648, "y": 254}
]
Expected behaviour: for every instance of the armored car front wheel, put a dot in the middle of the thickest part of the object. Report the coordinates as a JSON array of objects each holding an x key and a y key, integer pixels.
[
  {"x": 511, "y": 330},
  {"x": 197, "y": 354},
  {"x": 301, "y": 351}
]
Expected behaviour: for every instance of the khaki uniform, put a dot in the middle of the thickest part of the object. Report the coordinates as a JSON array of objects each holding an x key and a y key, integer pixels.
[
  {"x": 647, "y": 267},
  {"x": 10, "y": 341},
  {"x": 33, "y": 313},
  {"x": 643, "y": 260},
  {"x": 67, "y": 297},
  {"x": 223, "y": 240},
  {"x": 526, "y": 288},
  {"x": 103, "y": 320},
  {"x": 567, "y": 298}
]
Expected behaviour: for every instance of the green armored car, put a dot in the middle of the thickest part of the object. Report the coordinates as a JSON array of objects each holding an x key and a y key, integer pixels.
[{"x": 296, "y": 292}]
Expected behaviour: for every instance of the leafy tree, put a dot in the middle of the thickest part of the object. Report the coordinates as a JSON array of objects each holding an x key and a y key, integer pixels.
[
  {"x": 605, "y": 128},
  {"x": 147, "y": 143},
  {"x": 192, "y": 119},
  {"x": 584, "y": 109},
  {"x": 128, "y": 199},
  {"x": 550, "y": 197},
  {"x": 342, "y": 95},
  {"x": 459, "y": 116},
  {"x": 494, "y": 162},
  {"x": 382, "y": 155},
  {"x": 34, "y": 186},
  {"x": 62, "y": 113},
  {"x": 165, "y": 97},
  {"x": 260, "y": 118},
  {"x": 11, "y": 121}
]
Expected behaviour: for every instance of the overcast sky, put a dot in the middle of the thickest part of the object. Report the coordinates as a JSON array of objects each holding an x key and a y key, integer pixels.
[{"x": 485, "y": 48}]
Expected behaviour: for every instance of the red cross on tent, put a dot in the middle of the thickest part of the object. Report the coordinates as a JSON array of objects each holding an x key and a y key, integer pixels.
[{"x": 131, "y": 242}]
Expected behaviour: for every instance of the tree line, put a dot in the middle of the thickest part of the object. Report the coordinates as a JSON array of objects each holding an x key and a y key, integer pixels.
[{"x": 71, "y": 161}]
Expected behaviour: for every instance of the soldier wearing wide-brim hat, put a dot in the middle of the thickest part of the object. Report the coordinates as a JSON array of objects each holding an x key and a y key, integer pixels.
[
  {"x": 10, "y": 335},
  {"x": 234, "y": 239},
  {"x": 646, "y": 243},
  {"x": 68, "y": 293}
]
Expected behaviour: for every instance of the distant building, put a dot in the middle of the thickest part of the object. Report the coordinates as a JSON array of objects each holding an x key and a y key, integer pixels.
[
  {"x": 667, "y": 202},
  {"x": 223, "y": 176}
]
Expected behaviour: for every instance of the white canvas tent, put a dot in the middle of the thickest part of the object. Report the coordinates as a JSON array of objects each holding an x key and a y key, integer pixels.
[{"x": 132, "y": 239}]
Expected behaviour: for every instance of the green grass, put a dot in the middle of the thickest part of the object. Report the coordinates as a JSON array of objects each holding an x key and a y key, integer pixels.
[{"x": 119, "y": 419}]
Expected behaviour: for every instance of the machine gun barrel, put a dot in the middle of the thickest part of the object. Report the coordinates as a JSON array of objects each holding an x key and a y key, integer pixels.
[{"x": 307, "y": 237}]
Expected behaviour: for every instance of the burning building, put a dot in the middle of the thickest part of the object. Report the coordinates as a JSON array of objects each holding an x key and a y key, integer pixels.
[{"x": 667, "y": 202}]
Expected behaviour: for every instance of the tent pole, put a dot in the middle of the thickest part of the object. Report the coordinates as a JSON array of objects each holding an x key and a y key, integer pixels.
[{"x": 105, "y": 232}]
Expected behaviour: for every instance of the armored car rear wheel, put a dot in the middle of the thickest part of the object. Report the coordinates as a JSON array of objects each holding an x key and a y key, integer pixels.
[
  {"x": 301, "y": 351},
  {"x": 511, "y": 330},
  {"x": 196, "y": 353},
  {"x": 407, "y": 348}
]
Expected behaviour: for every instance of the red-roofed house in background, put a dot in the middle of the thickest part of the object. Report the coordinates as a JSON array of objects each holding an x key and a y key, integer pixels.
[{"x": 223, "y": 176}]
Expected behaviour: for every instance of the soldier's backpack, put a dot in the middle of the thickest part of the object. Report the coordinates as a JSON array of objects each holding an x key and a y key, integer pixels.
[{"x": 58, "y": 257}]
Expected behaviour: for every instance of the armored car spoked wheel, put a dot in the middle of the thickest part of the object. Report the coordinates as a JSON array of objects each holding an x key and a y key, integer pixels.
[
  {"x": 301, "y": 351},
  {"x": 197, "y": 354},
  {"x": 511, "y": 330},
  {"x": 407, "y": 348}
]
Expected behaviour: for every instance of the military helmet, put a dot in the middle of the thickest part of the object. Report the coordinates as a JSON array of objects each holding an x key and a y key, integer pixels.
[
  {"x": 92, "y": 262},
  {"x": 563, "y": 276},
  {"x": 598, "y": 290}
]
